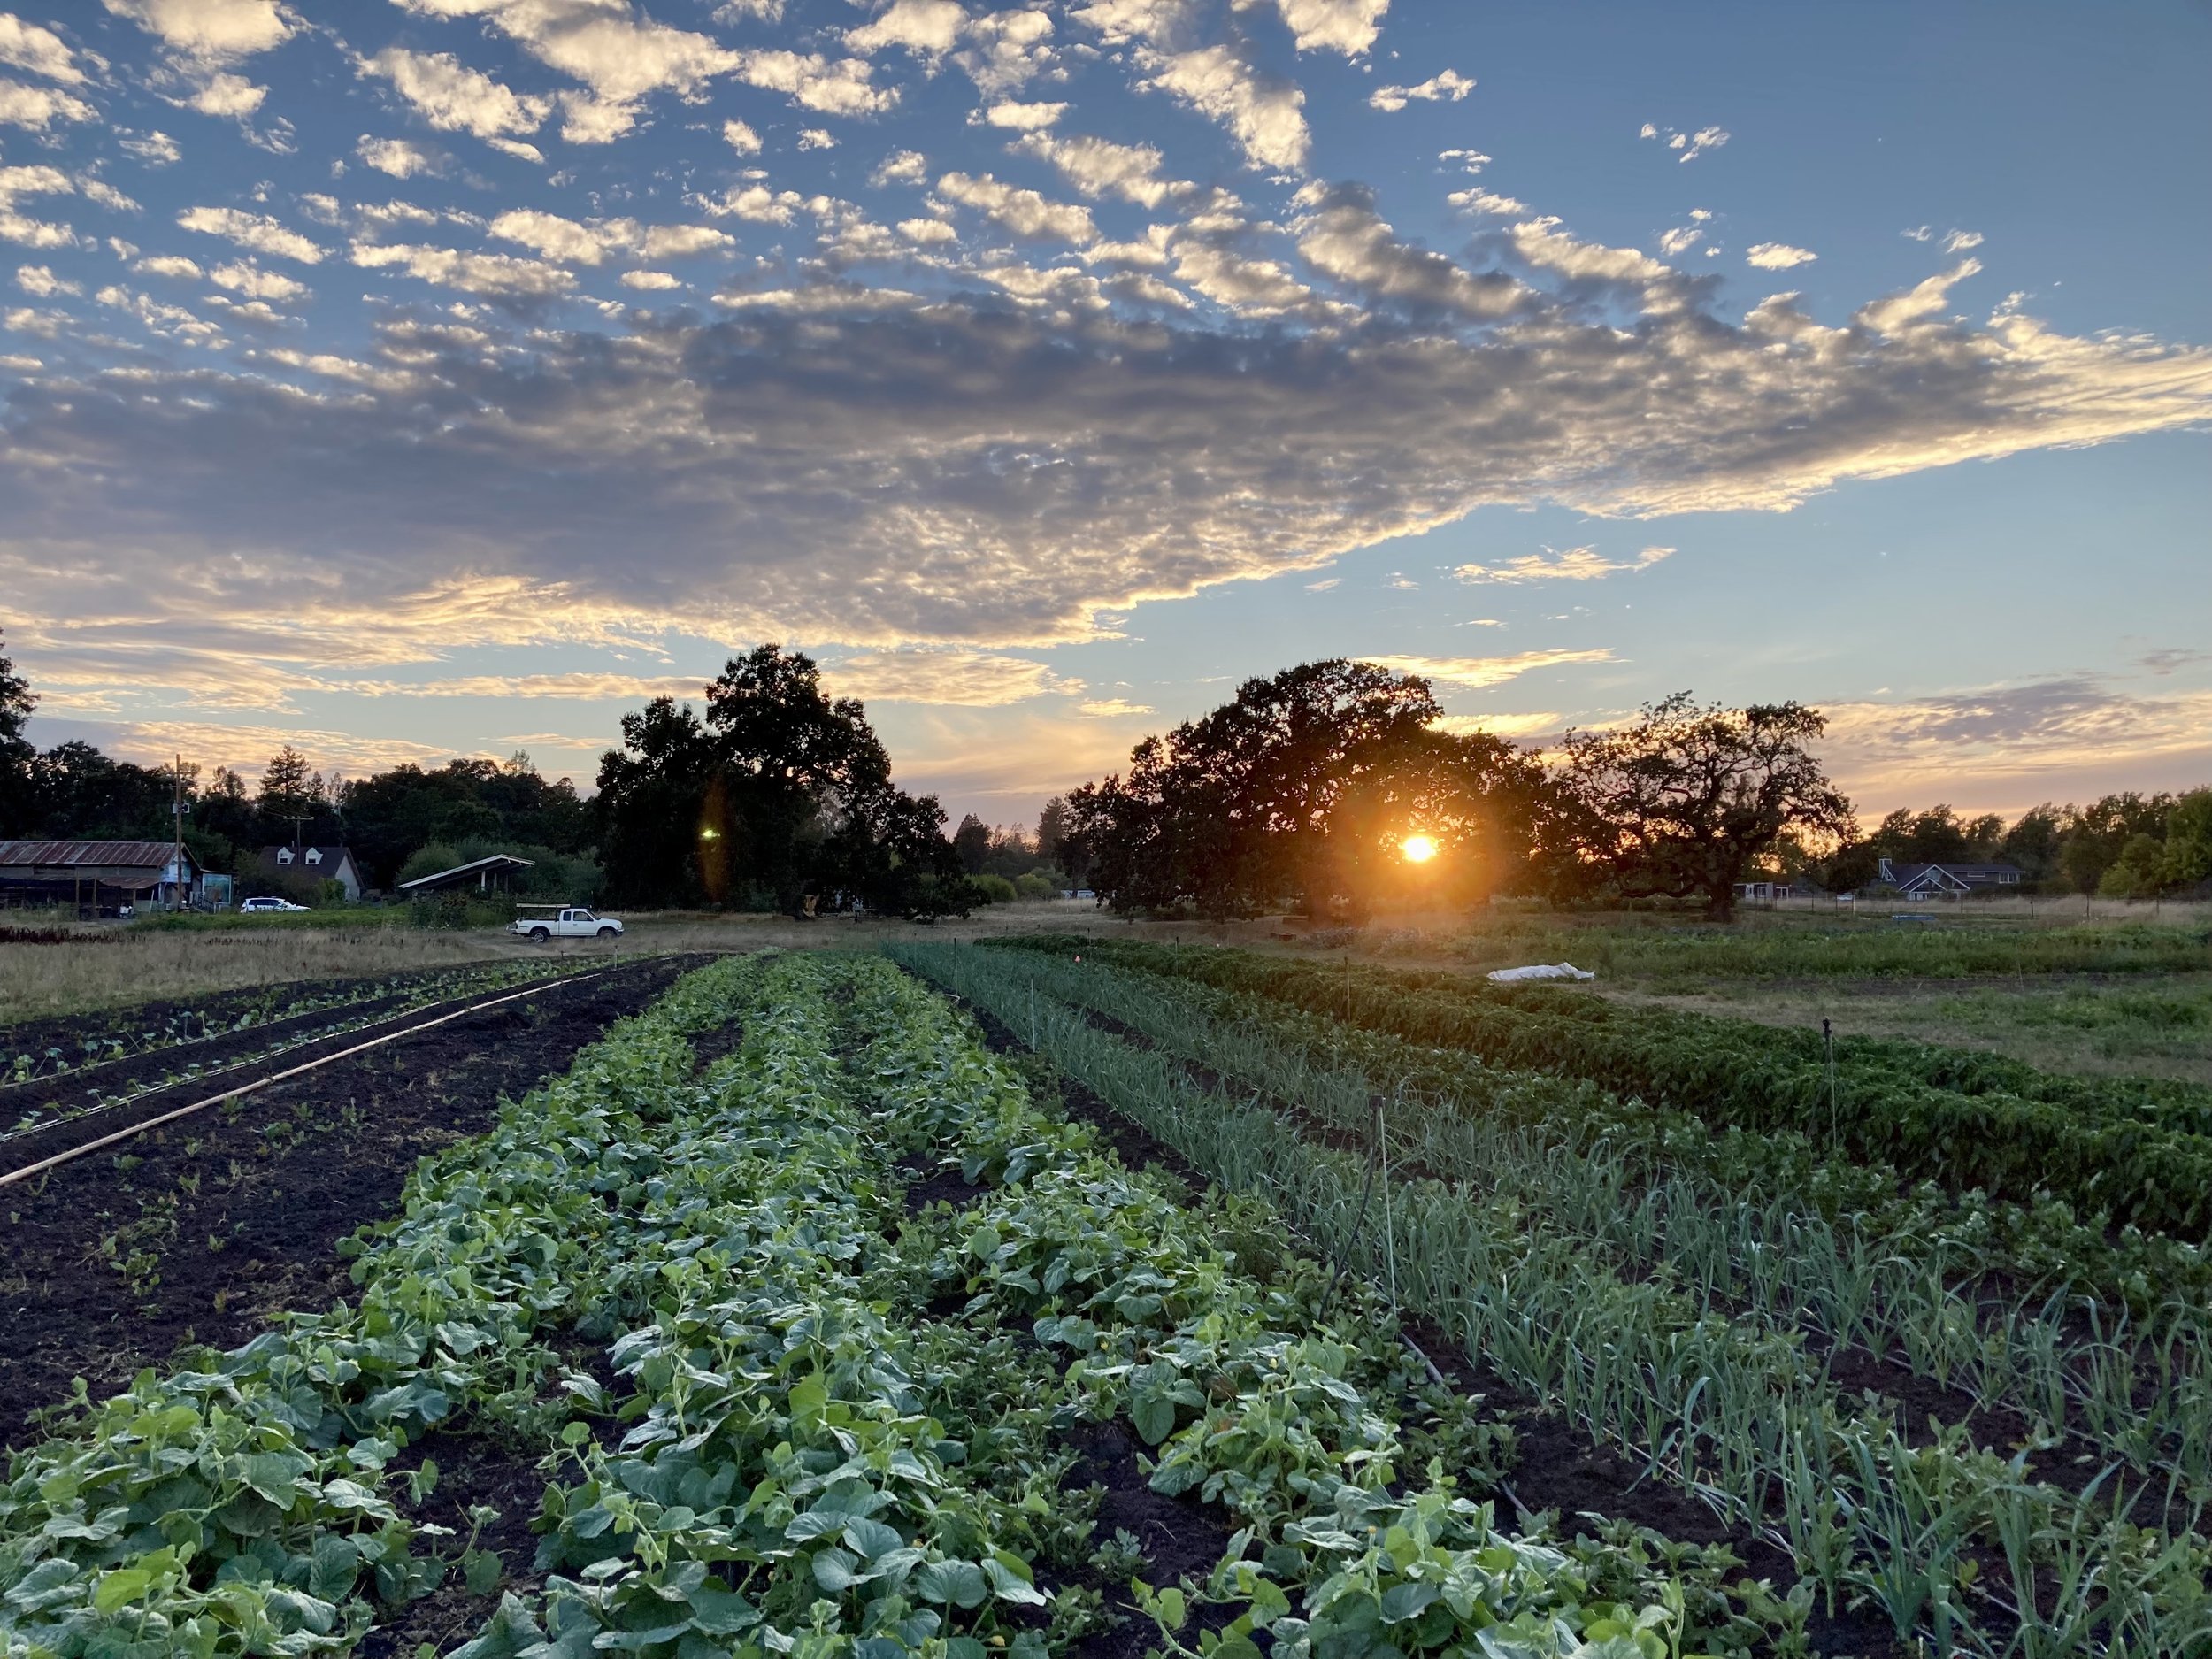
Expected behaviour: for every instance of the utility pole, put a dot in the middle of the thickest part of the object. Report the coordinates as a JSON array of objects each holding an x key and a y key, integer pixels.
[{"x": 176, "y": 834}]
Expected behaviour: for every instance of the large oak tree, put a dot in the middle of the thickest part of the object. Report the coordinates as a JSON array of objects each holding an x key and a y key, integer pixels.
[
  {"x": 1685, "y": 800},
  {"x": 1302, "y": 790},
  {"x": 779, "y": 794}
]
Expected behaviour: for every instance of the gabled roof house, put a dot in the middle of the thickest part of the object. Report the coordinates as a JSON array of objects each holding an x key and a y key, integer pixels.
[
  {"x": 312, "y": 865},
  {"x": 1928, "y": 881}
]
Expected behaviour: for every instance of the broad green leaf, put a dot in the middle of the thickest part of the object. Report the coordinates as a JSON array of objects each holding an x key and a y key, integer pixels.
[
  {"x": 119, "y": 1588},
  {"x": 480, "y": 1569},
  {"x": 834, "y": 1570},
  {"x": 1269, "y": 1603},
  {"x": 1402, "y": 1601},
  {"x": 1154, "y": 1415},
  {"x": 961, "y": 1583},
  {"x": 722, "y": 1612},
  {"x": 871, "y": 1539}
]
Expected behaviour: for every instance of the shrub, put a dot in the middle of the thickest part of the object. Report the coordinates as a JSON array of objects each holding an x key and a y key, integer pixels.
[{"x": 993, "y": 889}]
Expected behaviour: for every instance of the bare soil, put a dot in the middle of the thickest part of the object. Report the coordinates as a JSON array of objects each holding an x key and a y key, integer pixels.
[
  {"x": 141, "y": 1085},
  {"x": 201, "y": 1233}
]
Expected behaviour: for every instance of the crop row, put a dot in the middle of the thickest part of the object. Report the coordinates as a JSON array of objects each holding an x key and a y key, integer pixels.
[
  {"x": 1957, "y": 1545},
  {"x": 807, "y": 1434},
  {"x": 2131, "y": 1151},
  {"x": 809, "y": 1459},
  {"x": 241, "y": 1505},
  {"x": 1916, "y": 1277},
  {"x": 23, "y": 1068},
  {"x": 2037, "y": 1248}
]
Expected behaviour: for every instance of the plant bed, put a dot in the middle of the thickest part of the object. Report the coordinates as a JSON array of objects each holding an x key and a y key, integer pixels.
[
  {"x": 777, "y": 1407},
  {"x": 204, "y": 1231},
  {"x": 67, "y": 1044},
  {"x": 1527, "y": 1254},
  {"x": 1554, "y": 1469}
]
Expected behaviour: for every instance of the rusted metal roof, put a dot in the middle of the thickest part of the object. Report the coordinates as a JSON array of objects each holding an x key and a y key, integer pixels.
[{"x": 82, "y": 855}]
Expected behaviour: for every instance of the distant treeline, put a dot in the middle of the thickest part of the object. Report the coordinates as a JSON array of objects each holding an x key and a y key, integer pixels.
[
  {"x": 779, "y": 797},
  {"x": 1303, "y": 790},
  {"x": 2125, "y": 846},
  {"x": 1335, "y": 786}
]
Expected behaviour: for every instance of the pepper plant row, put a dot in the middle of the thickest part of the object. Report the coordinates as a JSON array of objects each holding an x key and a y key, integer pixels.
[
  {"x": 2115, "y": 1149},
  {"x": 1953, "y": 1544}
]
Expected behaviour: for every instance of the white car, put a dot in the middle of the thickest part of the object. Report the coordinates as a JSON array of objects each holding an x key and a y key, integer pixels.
[
  {"x": 574, "y": 922},
  {"x": 262, "y": 905}
]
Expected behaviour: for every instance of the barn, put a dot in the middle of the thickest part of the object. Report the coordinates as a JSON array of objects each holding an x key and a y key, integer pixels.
[{"x": 98, "y": 878}]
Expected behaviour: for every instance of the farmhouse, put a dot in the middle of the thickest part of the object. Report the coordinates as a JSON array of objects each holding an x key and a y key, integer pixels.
[
  {"x": 1928, "y": 882},
  {"x": 102, "y": 875},
  {"x": 310, "y": 867}
]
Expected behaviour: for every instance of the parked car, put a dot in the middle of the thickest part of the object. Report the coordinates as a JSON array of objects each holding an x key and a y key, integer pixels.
[
  {"x": 569, "y": 922},
  {"x": 268, "y": 902}
]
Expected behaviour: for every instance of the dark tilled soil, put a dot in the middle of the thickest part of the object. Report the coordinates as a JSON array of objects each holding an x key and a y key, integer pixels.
[
  {"x": 1557, "y": 1468},
  {"x": 233, "y": 1216},
  {"x": 1181, "y": 1538},
  {"x": 472, "y": 1471},
  {"x": 169, "y": 1034},
  {"x": 176, "y": 1075},
  {"x": 931, "y": 1186},
  {"x": 707, "y": 1046}
]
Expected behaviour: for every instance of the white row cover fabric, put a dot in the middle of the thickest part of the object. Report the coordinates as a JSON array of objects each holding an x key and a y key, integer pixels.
[{"x": 1540, "y": 971}]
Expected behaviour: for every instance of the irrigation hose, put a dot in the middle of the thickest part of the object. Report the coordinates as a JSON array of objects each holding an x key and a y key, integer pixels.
[
  {"x": 60, "y": 1158},
  {"x": 283, "y": 1046}
]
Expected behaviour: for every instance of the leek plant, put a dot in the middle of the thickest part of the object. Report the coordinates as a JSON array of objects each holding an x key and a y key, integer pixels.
[
  {"x": 1895, "y": 1280},
  {"x": 1728, "y": 1401}
]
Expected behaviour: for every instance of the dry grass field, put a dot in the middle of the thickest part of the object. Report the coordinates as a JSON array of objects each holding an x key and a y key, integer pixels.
[{"x": 2100, "y": 989}]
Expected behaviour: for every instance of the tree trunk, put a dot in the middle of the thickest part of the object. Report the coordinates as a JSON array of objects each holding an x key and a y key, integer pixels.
[{"x": 1720, "y": 903}]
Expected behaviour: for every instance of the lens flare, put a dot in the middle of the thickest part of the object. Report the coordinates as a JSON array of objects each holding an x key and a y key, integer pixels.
[{"x": 1418, "y": 850}]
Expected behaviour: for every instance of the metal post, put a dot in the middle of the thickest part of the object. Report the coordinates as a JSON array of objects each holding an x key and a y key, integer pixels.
[
  {"x": 1828, "y": 1043},
  {"x": 1390, "y": 1232},
  {"x": 176, "y": 831}
]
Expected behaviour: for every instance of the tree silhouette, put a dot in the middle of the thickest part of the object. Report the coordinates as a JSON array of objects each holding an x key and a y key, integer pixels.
[
  {"x": 779, "y": 792},
  {"x": 1686, "y": 800},
  {"x": 18, "y": 793},
  {"x": 1301, "y": 789}
]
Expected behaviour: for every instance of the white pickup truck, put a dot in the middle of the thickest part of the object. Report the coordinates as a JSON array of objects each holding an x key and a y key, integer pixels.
[{"x": 572, "y": 922}]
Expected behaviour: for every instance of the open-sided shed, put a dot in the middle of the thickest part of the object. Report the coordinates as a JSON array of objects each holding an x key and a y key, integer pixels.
[
  {"x": 100, "y": 875},
  {"x": 493, "y": 874}
]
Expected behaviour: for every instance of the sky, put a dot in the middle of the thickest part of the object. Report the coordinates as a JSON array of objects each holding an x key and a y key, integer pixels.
[{"x": 412, "y": 377}]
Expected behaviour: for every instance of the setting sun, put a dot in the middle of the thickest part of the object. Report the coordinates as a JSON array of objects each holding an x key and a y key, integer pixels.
[{"x": 1418, "y": 850}]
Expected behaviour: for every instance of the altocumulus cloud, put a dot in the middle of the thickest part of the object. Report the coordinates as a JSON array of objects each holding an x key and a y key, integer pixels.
[{"x": 967, "y": 470}]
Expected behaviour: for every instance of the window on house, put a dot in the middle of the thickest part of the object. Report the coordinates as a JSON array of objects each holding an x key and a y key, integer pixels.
[
  {"x": 314, "y": 855},
  {"x": 284, "y": 855}
]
